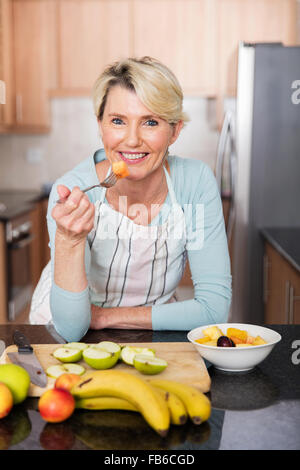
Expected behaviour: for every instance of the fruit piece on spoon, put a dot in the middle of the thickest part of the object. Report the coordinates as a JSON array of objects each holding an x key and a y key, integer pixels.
[{"x": 120, "y": 169}]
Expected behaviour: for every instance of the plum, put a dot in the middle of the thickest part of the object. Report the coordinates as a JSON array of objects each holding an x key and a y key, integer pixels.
[{"x": 225, "y": 342}]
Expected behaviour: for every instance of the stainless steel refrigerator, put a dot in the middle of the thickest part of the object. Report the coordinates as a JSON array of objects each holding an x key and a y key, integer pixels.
[{"x": 262, "y": 138}]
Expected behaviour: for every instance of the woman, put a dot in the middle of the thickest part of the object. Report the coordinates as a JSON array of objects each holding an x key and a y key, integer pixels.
[{"x": 118, "y": 254}]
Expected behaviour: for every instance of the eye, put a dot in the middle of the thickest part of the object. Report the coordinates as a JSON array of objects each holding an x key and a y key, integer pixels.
[
  {"x": 117, "y": 121},
  {"x": 152, "y": 122}
]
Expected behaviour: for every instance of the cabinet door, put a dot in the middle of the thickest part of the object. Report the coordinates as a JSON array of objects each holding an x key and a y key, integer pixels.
[
  {"x": 91, "y": 35},
  {"x": 6, "y": 109},
  {"x": 294, "y": 295},
  {"x": 250, "y": 21},
  {"x": 180, "y": 33},
  {"x": 30, "y": 20},
  {"x": 276, "y": 288}
]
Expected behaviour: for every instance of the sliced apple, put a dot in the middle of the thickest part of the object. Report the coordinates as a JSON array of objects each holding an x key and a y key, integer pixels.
[
  {"x": 59, "y": 369},
  {"x": 149, "y": 365},
  {"x": 99, "y": 359},
  {"x": 128, "y": 353},
  {"x": 65, "y": 354},
  {"x": 109, "y": 346}
]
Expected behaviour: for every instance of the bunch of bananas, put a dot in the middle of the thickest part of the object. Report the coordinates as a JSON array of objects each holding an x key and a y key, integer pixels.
[{"x": 160, "y": 402}]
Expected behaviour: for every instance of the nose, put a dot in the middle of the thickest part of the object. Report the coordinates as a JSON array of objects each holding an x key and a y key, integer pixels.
[{"x": 133, "y": 136}]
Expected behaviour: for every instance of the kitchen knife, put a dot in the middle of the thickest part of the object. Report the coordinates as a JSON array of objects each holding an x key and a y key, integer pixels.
[{"x": 26, "y": 358}]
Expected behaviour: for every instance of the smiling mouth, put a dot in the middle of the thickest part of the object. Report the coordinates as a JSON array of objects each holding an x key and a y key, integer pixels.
[{"x": 133, "y": 157}]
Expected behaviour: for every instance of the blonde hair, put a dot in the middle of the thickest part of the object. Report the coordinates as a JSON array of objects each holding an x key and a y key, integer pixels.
[{"x": 153, "y": 82}]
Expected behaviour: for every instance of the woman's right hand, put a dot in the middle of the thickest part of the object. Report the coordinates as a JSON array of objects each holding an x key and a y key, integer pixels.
[{"x": 75, "y": 216}]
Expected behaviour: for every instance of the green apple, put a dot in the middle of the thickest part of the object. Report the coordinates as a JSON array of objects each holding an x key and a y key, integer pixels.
[
  {"x": 76, "y": 345},
  {"x": 149, "y": 365},
  {"x": 128, "y": 353},
  {"x": 98, "y": 358},
  {"x": 65, "y": 354},
  {"x": 109, "y": 346},
  {"x": 59, "y": 369},
  {"x": 17, "y": 379}
]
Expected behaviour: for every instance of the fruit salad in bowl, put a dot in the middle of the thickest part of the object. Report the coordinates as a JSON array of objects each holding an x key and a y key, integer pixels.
[{"x": 234, "y": 347}]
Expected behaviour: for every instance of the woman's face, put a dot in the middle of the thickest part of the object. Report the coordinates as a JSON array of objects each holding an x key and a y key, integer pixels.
[{"x": 132, "y": 133}]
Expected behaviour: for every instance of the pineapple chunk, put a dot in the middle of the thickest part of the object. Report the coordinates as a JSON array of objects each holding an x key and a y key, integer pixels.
[
  {"x": 213, "y": 332},
  {"x": 211, "y": 343},
  {"x": 243, "y": 345},
  {"x": 258, "y": 341},
  {"x": 250, "y": 339},
  {"x": 203, "y": 340},
  {"x": 240, "y": 334}
]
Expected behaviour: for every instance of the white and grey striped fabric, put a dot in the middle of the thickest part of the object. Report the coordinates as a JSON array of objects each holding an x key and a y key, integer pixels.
[{"x": 135, "y": 265}]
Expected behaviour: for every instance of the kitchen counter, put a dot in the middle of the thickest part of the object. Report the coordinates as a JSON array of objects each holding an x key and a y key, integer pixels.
[
  {"x": 255, "y": 410},
  {"x": 14, "y": 203},
  {"x": 286, "y": 242}
]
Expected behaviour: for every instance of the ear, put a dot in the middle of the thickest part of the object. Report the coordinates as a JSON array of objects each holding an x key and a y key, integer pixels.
[{"x": 176, "y": 129}]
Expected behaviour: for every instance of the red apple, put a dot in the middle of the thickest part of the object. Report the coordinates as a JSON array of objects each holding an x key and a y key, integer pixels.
[
  {"x": 6, "y": 400},
  {"x": 67, "y": 381},
  {"x": 56, "y": 405}
]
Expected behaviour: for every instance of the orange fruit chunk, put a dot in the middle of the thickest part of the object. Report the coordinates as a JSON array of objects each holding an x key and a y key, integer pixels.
[
  {"x": 237, "y": 334},
  {"x": 120, "y": 169},
  {"x": 203, "y": 340}
]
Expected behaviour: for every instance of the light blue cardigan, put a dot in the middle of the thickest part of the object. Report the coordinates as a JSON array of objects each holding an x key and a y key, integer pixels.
[{"x": 194, "y": 183}]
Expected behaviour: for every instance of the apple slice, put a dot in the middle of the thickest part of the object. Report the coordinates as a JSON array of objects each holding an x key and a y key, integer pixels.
[
  {"x": 149, "y": 365},
  {"x": 98, "y": 358},
  {"x": 59, "y": 369},
  {"x": 76, "y": 345},
  {"x": 109, "y": 346},
  {"x": 65, "y": 354},
  {"x": 128, "y": 353}
]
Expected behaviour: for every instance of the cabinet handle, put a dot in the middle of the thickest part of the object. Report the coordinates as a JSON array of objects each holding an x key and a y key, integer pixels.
[
  {"x": 266, "y": 266},
  {"x": 19, "y": 108},
  {"x": 292, "y": 299}
]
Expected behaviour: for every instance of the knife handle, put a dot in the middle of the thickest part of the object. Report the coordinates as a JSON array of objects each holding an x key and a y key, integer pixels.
[{"x": 22, "y": 342}]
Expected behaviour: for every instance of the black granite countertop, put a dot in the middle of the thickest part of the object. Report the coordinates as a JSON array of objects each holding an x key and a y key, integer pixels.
[
  {"x": 14, "y": 203},
  {"x": 255, "y": 410},
  {"x": 286, "y": 241}
]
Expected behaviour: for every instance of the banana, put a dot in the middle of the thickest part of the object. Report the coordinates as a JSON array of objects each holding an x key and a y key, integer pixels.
[
  {"x": 197, "y": 404},
  {"x": 178, "y": 413},
  {"x": 105, "y": 403},
  {"x": 124, "y": 385}
]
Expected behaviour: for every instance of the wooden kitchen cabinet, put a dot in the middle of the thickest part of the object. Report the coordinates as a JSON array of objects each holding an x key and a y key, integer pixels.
[
  {"x": 6, "y": 69},
  {"x": 181, "y": 34},
  {"x": 31, "y": 21},
  {"x": 91, "y": 35},
  {"x": 281, "y": 289},
  {"x": 249, "y": 21}
]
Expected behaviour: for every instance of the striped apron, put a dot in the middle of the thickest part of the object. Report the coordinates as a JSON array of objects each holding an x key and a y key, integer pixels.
[{"x": 136, "y": 265}]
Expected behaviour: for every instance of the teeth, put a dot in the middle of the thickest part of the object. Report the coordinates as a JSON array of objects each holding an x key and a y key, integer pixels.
[{"x": 133, "y": 156}]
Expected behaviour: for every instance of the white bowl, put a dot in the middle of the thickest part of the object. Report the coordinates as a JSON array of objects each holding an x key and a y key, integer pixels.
[{"x": 236, "y": 359}]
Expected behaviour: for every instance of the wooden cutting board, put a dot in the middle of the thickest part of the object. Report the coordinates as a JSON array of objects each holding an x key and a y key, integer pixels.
[{"x": 184, "y": 364}]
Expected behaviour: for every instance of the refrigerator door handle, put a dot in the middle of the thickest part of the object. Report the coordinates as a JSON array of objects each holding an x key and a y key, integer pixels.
[
  {"x": 221, "y": 150},
  {"x": 227, "y": 133}
]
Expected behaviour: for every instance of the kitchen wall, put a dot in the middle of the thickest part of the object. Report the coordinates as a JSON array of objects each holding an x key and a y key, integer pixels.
[{"x": 29, "y": 161}]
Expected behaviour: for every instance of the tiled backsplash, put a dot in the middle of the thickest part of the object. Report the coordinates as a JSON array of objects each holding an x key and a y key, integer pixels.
[{"x": 29, "y": 161}]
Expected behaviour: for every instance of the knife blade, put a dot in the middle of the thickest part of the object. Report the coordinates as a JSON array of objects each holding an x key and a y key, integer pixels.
[{"x": 26, "y": 358}]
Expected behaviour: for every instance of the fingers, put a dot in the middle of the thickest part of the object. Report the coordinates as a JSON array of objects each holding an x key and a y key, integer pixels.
[
  {"x": 63, "y": 192},
  {"x": 75, "y": 216}
]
